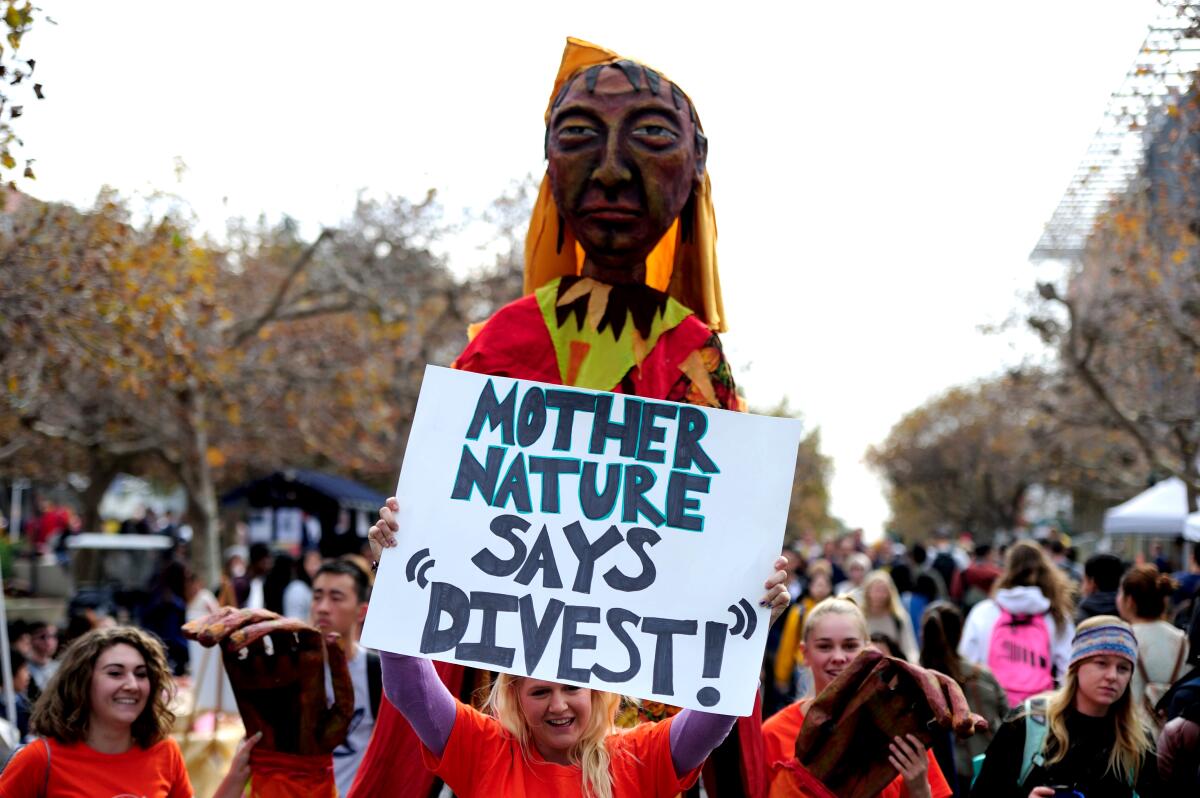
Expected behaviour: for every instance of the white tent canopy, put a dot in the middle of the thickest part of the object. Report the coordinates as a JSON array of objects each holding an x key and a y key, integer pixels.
[
  {"x": 1159, "y": 511},
  {"x": 1191, "y": 528}
]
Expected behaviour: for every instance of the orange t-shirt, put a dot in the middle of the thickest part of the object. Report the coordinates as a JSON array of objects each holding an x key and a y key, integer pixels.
[
  {"x": 482, "y": 760},
  {"x": 77, "y": 771},
  {"x": 779, "y": 743}
]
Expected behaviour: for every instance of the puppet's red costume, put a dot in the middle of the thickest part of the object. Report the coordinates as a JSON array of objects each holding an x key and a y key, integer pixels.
[
  {"x": 683, "y": 361},
  {"x": 657, "y": 341}
]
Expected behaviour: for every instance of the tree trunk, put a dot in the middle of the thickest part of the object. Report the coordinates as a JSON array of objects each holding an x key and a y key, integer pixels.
[
  {"x": 202, "y": 492},
  {"x": 1191, "y": 475},
  {"x": 206, "y": 540},
  {"x": 102, "y": 470}
]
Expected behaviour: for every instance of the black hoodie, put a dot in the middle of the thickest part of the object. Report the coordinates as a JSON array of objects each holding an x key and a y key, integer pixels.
[{"x": 1098, "y": 603}]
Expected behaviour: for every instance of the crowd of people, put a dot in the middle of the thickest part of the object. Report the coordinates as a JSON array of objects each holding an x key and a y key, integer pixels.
[
  {"x": 1096, "y": 672},
  {"x": 1025, "y": 632},
  {"x": 1094, "y": 663}
]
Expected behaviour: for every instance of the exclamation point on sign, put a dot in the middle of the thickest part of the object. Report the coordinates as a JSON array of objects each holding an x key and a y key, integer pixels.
[
  {"x": 744, "y": 623},
  {"x": 714, "y": 652}
]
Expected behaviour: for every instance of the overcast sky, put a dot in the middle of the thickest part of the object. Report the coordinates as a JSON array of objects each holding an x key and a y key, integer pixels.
[{"x": 881, "y": 170}]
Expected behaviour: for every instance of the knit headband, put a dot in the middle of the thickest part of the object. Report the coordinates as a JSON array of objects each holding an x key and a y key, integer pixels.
[{"x": 1109, "y": 639}]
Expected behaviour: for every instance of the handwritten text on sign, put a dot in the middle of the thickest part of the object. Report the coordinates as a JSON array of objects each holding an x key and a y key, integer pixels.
[{"x": 586, "y": 537}]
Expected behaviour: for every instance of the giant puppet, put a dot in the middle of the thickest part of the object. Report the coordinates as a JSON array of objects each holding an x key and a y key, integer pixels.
[{"x": 622, "y": 294}]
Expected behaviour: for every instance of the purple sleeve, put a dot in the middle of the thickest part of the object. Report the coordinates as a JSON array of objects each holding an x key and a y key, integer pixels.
[
  {"x": 694, "y": 735},
  {"x": 413, "y": 687}
]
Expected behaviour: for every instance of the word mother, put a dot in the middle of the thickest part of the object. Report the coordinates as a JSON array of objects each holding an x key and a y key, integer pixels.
[{"x": 641, "y": 432}]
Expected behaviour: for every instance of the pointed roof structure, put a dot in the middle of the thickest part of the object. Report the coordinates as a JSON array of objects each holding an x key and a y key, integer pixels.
[{"x": 1164, "y": 70}]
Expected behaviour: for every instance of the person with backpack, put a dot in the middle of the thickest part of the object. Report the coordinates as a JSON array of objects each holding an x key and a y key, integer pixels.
[
  {"x": 1085, "y": 739},
  {"x": 941, "y": 630},
  {"x": 1023, "y": 633},
  {"x": 340, "y": 596},
  {"x": 1162, "y": 649}
]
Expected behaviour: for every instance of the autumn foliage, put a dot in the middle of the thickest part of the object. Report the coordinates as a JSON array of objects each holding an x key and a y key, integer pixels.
[
  {"x": 130, "y": 345},
  {"x": 17, "y": 83}
]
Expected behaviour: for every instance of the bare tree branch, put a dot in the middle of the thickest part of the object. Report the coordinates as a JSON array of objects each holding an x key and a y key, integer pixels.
[
  {"x": 9, "y": 449},
  {"x": 1080, "y": 362},
  {"x": 251, "y": 328}
]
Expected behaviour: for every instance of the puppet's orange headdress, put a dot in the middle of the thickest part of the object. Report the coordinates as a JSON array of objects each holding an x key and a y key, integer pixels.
[{"x": 687, "y": 270}]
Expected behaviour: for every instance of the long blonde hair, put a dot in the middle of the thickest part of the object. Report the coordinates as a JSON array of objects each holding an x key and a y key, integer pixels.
[
  {"x": 1026, "y": 565},
  {"x": 590, "y": 752},
  {"x": 894, "y": 608},
  {"x": 1131, "y": 744}
]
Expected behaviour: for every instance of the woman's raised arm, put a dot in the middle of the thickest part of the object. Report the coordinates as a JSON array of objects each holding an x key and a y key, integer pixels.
[{"x": 414, "y": 688}]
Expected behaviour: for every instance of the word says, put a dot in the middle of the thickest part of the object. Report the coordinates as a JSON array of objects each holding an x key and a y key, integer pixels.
[{"x": 526, "y": 564}]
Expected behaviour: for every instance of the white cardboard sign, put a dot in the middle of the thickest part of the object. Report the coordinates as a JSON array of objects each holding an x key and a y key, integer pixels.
[{"x": 586, "y": 537}]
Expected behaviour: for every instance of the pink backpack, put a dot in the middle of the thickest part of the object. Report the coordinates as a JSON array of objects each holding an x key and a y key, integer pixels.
[{"x": 1019, "y": 656}]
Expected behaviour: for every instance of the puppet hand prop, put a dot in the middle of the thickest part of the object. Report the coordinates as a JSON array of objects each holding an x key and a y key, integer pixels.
[
  {"x": 276, "y": 667},
  {"x": 874, "y": 700}
]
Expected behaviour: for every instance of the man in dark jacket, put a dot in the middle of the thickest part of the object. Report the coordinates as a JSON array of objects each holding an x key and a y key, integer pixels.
[{"x": 1101, "y": 579}]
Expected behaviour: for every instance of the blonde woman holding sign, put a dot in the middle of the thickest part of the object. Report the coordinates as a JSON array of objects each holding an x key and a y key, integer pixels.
[
  {"x": 541, "y": 738},
  {"x": 622, "y": 294}
]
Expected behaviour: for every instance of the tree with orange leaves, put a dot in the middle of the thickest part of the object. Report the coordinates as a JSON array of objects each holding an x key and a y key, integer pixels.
[{"x": 133, "y": 346}]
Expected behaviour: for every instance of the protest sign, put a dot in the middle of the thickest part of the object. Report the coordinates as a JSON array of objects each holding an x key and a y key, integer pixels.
[{"x": 586, "y": 537}]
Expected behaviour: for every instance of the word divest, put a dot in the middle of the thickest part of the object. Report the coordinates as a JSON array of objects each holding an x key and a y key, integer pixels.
[{"x": 586, "y": 537}]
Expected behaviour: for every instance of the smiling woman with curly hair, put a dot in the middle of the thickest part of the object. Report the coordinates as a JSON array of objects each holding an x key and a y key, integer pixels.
[
  {"x": 65, "y": 712},
  {"x": 104, "y": 723}
]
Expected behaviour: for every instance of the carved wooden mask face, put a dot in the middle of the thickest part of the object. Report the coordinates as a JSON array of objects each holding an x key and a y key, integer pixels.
[{"x": 624, "y": 156}]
